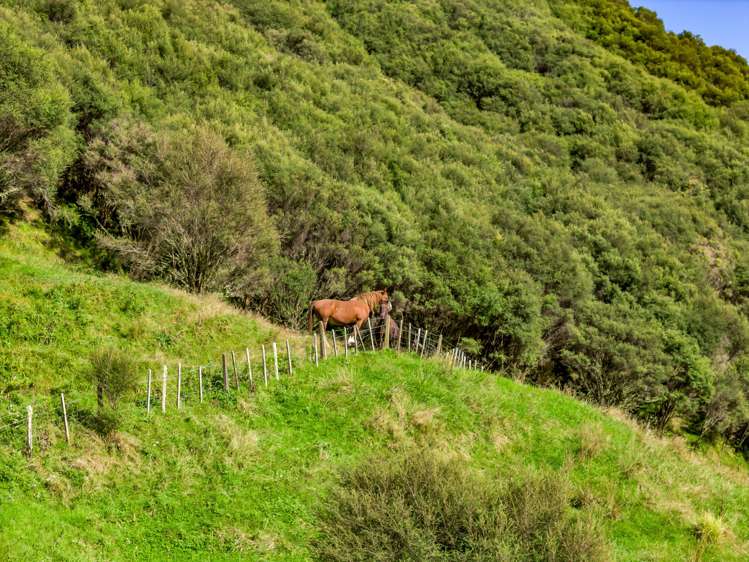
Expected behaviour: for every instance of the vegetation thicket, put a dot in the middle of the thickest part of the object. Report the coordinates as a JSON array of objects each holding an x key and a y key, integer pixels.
[{"x": 564, "y": 182}]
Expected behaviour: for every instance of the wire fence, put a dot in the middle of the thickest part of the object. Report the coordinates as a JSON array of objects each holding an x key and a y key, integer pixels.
[{"x": 33, "y": 426}]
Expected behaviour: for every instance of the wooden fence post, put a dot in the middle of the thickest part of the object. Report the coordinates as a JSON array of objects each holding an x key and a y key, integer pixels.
[
  {"x": 323, "y": 345},
  {"x": 386, "y": 335},
  {"x": 234, "y": 366},
  {"x": 65, "y": 418},
  {"x": 371, "y": 335},
  {"x": 265, "y": 367},
  {"x": 356, "y": 341},
  {"x": 361, "y": 339},
  {"x": 288, "y": 355},
  {"x": 439, "y": 345},
  {"x": 317, "y": 361},
  {"x": 163, "y": 391},
  {"x": 200, "y": 383},
  {"x": 400, "y": 333},
  {"x": 409, "y": 337},
  {"x": 249, "y": 369},
  {"x": 226, "y": 372},
  {"x": 179, "y": 385},
  {"x": 335, "y": 345},
  {"x": 275, "y": 359},
  {"x": 418, "y": 338},
  {"x": 345, "y": 342},
  {"x": 424, "y": 343},
  {"x": 148, "y": 392},
  {"x": 29, "y": 430}
]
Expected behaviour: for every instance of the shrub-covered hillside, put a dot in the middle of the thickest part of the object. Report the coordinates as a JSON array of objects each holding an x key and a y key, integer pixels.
[{"x": 502, "y": 165}]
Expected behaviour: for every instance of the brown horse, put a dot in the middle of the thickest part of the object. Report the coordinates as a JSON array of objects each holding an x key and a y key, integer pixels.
[{"x": 345, "y": 313}]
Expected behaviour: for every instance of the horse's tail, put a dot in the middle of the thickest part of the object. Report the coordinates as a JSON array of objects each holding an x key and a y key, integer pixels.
[{"x": 309, "y": 316}]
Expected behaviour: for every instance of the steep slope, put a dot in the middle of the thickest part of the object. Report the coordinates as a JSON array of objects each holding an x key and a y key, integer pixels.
[
  {"x": 500, "y": 165},
  {"x": 245, "y": 476}
]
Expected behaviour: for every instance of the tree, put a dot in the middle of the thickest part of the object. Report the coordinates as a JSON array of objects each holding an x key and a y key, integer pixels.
[
  {"x": 36, "y": 140},
  {"x": 181, "y": 206}
]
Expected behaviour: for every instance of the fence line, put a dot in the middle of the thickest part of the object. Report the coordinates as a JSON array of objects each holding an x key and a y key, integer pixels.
[{"x": 209, "y": 377}]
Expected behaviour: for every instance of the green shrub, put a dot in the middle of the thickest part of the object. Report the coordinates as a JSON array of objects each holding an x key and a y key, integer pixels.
[
  {"x": 182, "y": 206},
  {"x": 113, "y": 372},
  {"x": 419, "y": 505}
]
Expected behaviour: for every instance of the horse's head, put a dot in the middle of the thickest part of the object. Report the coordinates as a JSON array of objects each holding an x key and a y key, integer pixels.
[
  {"x": 376, "y": 300},
  {"x": 385, "y": 300}
]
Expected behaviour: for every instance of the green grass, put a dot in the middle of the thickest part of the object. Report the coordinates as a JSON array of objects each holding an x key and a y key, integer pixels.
[{"x": 243, "y": 476}]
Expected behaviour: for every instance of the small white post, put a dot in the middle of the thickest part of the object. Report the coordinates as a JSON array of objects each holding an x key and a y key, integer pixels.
[
  {"x": 345, "y": 341},
  {"x": 265, "y": 368},
  {"x": 234, "y": 366},
  {"x": 288, "y": 355},
  {"x": 179, "y": 386},
  {"x": 29, "y": 432},
  {"x": 418, "y": 337},
  {"x": 163, "y": 391},
  {"x": 275, "y": 359},
  {"x": 335, "y": 345},
  {"x": 65, "y": 417},
  {"x": 317, "y": 360},
  {"x": 249, "y": 368},
  {"x": 323, "y": 343},
  {"x": 424, "y": 343},
  {"x": 371, "y": 335},
  {"x": 148, "y": 392}
]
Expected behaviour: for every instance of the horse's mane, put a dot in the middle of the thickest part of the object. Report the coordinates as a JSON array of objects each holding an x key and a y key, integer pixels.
[{"x": 372, "y": 298}]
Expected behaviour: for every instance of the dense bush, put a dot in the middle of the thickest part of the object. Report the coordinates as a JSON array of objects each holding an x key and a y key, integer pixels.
[
  {"x": 418, "y": 505},
  {"x": 36, "y": 140},
  {"x": 180, "y": 206},
  {"x": 719, "y": 75},
  {"x": 563, "y": 182}
]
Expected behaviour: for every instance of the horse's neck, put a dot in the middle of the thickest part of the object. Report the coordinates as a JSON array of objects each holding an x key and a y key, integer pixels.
[{"x": 365, "y": 300}]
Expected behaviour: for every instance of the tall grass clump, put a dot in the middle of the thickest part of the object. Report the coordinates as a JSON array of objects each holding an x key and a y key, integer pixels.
[
  {"x": 112, "y": 373},
  {"x": 420, "y": 505}
]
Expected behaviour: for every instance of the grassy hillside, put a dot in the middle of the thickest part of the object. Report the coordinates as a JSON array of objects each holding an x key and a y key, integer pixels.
[
  {"x": 54, "y": 316},
  {"x": 247, "y": 477}
]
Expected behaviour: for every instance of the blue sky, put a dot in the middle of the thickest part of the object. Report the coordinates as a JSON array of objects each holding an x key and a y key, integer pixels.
[{"x": 718, "y": 22}]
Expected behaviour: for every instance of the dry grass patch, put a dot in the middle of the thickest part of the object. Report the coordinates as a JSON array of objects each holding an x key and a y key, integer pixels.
[
  {"x": 242, "y": 444},
  {"x": 234, "y": 539},
  {"x": 265, "y": 542},
  {"x": 592, "y": 441},
  {"x": 423, "y": 420},
  {"x": 499, "y": 440},
  {"x": 401, "y": 415},
  {"x": 342, "y": 382}
]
